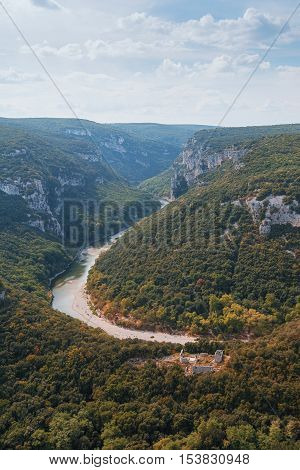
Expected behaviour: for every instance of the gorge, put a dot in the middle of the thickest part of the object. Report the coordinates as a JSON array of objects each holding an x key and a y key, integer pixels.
[{"x": 220, "y": 263}]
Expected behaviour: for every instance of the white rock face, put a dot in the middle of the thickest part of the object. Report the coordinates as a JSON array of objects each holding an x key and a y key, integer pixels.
[
  {"x": 197, "y": 160},
  {"x": 39, "y": 224},
  {"x": 79, "y": 132},
  {"x": 237, "y": 203},
  {"x": 273, "y": 211},
  {"x": 65, "y": 181},
  {"x": 16, "y": 153},
  {"x": 90, "y": 157},
  {"x": 115, "y": 143},
  {"x": 36, "y": 196},
  {"x": 10, "y": 188},
  {"x": 37, "y": 199}
]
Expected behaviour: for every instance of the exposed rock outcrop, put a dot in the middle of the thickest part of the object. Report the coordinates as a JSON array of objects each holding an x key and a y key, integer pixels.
[
  {"x": 196, "y": 160},
  {"x": 45, "y": 202},
  {"x": 78, "y": 132},
  {"x": 273, "y": 211},
  {"x": 115, "y": 143}
]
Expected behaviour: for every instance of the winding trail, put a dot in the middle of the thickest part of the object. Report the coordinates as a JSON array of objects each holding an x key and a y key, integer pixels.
[{"x": 69, "y": 297}]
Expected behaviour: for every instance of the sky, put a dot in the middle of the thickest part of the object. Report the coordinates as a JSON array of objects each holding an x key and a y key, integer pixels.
[{"x": 167, "y": 61}]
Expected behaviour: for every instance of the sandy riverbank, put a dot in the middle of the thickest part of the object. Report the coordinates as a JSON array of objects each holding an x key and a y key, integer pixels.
[
  {"x": 81, "y": 306},
  {"x": 69, "y": 297}
]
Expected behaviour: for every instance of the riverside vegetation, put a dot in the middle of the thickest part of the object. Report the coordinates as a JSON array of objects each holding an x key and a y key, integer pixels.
[
  {"x": 202, "y": 264},
  {"x": 66, "y": 386}
]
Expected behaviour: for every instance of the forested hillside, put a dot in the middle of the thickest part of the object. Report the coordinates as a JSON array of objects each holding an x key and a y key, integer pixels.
[
  {"x": 64, "y": 385},
  {"x": 221, "y": 260},
  {"x": 174, "y": 134},
  {"x": 134, "y": 151},
  {"x": 51, "y": 172},
  {"x": 159, "y": 185},
  {"x": 208, "y": 149}
]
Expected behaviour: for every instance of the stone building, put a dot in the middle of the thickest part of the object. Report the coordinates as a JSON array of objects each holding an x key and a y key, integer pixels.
[
  {"x": 182, "y": 358},
  {"x": 219, "y": 356}
]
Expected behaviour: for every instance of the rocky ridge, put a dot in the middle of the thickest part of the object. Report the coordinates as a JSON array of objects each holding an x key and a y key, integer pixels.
[{"x": 197, "y": 160}]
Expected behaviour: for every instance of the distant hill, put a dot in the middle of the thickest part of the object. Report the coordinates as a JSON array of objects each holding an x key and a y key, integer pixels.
[
  {"x": 135, "y": 151},
  {"x": 159, "y": 185},
  {"x": 67, "y": 386},
  {"x": 173, "y": 134},
  {"x": 42, "y": 169}
]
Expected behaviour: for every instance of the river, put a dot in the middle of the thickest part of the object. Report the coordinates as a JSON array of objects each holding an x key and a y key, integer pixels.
[{"x": 70, "y": 298}]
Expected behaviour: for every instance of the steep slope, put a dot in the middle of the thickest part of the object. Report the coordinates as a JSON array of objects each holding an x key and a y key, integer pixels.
[
  {"x": 50, "y": 172},
  {"x": 159, "y": 185},
  {"x": 135, "y": 152},
  {"x": 220, "y": 260},
  {"x": 208, "y": 149},
  {"x": 66, "y": 386}
]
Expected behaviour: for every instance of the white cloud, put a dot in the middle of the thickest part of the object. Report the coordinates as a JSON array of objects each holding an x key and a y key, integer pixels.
[
  {"x": 68, "y": 51},
  {"x": 265, "y": 65},
  {"x": 290, "y": 75},
  {"x": 50, "y": 4},
  {"x": 12, "y": 76},
  {"x": 125, "y": 47},
  {"x": 129, "y": 48},
  {"x": 170, "y": 68},
  {"x": 246, "y": 60},
  {"x": 143, "y": 36},
  {"x": 253, "y": 28},
  {"x": 117, "y": 65},
  {"x": 144, "y": 21},
  {"x": 88, "y": 79},
  {"x": 92, "y": 49},
  {"x": 288, "y": 69},
  {"x": 219, "y": 65}
]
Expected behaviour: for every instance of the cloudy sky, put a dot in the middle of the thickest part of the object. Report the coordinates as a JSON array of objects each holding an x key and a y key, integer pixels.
[{"x": 169, "y": 61}]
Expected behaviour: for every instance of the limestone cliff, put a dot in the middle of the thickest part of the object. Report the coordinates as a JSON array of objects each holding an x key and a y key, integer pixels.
[
  {"x": 198, "y": 159},
  {"x": 273, "y": 210},
  {"x": 210, "y": 148},
  {"x": 43, "y": 197}
]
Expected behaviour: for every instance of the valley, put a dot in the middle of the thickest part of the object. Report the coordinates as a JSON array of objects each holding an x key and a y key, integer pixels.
[
  {"x": 193, "y": 266},
  {"x": 70, "y": 297},
  {"x": 218, "y": 264}
]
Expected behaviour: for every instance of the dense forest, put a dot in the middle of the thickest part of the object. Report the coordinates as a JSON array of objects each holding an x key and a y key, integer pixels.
[
  {"x": 159, "y": 185},
  {"x": 205, "y": 264},
  {"x": 134, "y": 151},
  {"x": 64, "y": 385},
  {"x": 47, "y": 174},
  {"x": 210, "y": 142}
]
